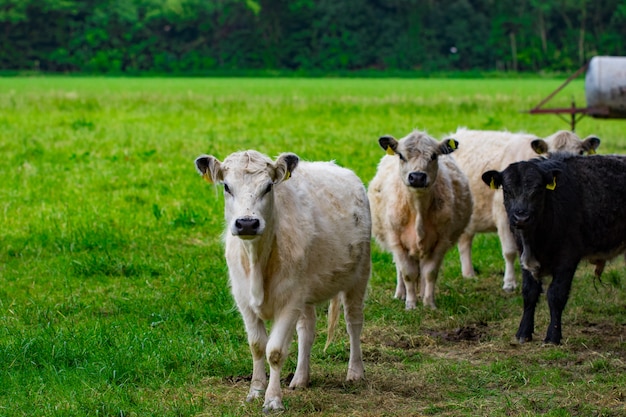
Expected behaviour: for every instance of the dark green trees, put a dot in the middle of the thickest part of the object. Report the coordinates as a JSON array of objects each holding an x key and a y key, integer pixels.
[{"x": 185, "y": 36}]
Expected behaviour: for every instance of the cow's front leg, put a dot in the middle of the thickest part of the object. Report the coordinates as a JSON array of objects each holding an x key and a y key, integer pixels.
[
  {"x": 558, "y": 293},
  {"x": 400, "y": 293},
  {"x": 430, "y": 270},
  {"x": 306, "y": 336},
  {"x": 280, "y": 338},
  {"x": 257, "y": 340},
  {"x": 402, "y": 261},
  {"x": 408, "y": 277},
  {"x": 531, "y": 289}
]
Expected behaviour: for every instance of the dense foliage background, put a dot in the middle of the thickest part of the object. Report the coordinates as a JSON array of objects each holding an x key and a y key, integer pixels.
[{"x": 186, "y": 36}]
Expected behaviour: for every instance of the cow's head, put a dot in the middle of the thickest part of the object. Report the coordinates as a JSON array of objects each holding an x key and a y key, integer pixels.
[
  {"x": 566, "y": 141},
  {"x": 524, "y": 185},
  {"x": 249, "y": 178},
  {"x": 417, "y": 154}
]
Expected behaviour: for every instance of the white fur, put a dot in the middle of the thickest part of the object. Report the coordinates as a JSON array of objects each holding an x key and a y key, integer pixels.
[{"x": 314, "y": 246}]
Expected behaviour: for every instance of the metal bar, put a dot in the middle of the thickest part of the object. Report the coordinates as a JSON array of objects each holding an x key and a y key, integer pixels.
[
  {"x": 576, "y": 74},
  {"x": 568, "y": 110},
  {"x": 600, "y": 111}
]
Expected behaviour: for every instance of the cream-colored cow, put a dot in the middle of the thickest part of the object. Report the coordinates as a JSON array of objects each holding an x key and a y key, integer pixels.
[
  {"x": 421, "y": 203},
  {"x": 481, "y": 151},
  {"x": 294, "y": 238}
]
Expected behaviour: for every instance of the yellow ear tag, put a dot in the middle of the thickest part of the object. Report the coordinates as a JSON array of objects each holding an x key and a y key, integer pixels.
[
  {"x": 592, "y": 151},
  {"x": 492, "y": 185},
  {"x": 452, "y": 144},
  {"x": 390, "y": 151},
  {"x": 287, "y": 176},
  {"x": 553, "y": 185},
  {"x": 207, "y": 177}
]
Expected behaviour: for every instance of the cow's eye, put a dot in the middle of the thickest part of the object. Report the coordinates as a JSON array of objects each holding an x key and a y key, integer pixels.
[
  {"x": 402, "y": 158},
  {"x": 433, "y": 157},
  {"x": 268, "y": 188},
  {"x": 227, "y": 189}
]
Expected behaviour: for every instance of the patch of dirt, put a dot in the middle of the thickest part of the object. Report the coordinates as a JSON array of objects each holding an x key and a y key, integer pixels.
[{"x": 471, "y": 333}]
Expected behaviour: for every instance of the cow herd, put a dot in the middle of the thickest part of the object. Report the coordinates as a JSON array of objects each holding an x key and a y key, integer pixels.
[{"x": 298, "y": 233}]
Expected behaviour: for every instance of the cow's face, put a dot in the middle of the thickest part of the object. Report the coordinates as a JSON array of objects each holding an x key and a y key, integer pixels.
[
  {"x": 417, "y": 154},
  {"x": 249, "y": 179},
  {"x": 568, "y": 142},
  {"x": 524, "y": 186}
]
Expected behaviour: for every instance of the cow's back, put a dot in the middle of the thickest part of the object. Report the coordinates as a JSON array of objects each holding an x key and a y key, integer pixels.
[
  {"x": 483, "y": 150},
  {"x": 600, "y": 184},
  {"x": 323, "y": 228}
]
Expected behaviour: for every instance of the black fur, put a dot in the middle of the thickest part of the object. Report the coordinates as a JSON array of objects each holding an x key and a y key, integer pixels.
[{"x": 583, "y": 217}]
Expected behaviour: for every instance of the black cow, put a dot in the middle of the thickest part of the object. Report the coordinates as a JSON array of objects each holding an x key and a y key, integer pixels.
[{"x": 562, "y": 209}]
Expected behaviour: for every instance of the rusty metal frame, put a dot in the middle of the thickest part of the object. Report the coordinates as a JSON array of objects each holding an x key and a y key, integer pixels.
[{"x": 576, "y": 113}]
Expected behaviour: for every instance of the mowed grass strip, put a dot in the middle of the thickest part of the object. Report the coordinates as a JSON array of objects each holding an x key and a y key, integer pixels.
[{"x": 114, "y": 297}]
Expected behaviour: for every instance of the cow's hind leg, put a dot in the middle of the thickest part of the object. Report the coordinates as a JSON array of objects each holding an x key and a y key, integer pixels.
[
  {"x": 306, "y": 335},
  {"x": 465, "y": 252},
  {"x": 531, "y": 289},
  {"x": 558, "y": 293},
  {"x": 353, "y": 302},
  {"x": 509, "y": 252}
]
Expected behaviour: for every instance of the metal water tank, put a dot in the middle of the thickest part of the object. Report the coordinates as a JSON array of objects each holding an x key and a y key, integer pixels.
[{"x": 605, "y": 86}]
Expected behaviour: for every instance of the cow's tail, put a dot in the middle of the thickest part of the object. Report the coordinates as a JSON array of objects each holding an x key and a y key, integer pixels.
[{"x": 333, "y": 317}]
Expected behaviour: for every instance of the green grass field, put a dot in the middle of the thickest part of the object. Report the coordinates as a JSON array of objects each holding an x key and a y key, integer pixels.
[{"x": 114, "y": 298}]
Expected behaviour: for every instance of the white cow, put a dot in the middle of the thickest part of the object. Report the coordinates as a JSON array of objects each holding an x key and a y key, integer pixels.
[
  {"x": 481, "y": 151},
  {"x": 421, "y": 203},
  {"x": 289, "y": 246}
]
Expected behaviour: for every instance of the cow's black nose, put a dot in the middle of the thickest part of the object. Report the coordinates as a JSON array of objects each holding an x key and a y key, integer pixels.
[
  {"x": 418, "y": 179},
  {"x": 520, "y": 219},
  {"x": 247, "y": 226}
]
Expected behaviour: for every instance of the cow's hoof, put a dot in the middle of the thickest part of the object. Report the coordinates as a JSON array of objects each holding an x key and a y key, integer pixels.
[
  {"x": 254, "y": 394},
  {"x": 509, "y": 288},
  {"x": 273, "y": 405},
  {"x": 356, "y": 374},
  {"x": 299, "y": 382},
  {"x": 523, "y": 340}
]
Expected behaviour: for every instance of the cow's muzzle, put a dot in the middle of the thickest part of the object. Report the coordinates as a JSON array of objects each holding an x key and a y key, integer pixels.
[
  {"x": 520, "y": 219},
  {"x": 418, "y": 179},
  {"x": 246, "y": 226}
]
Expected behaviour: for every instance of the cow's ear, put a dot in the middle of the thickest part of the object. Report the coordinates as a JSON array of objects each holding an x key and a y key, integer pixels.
[
  {"x": 210, "y": 168},
  {"x": 284, "y": 166},
  {"x": 493, "y": 179},
  {"x": 590, "y": 144},
  {"x": 448, "y": 146},
  {"x": 389, "y": 144},
  {"x": 540, "y": 146},
  {"x": 551, "y": 179}
]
